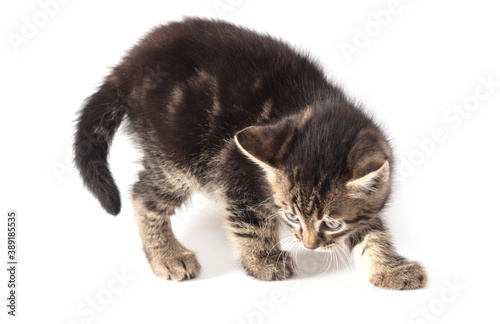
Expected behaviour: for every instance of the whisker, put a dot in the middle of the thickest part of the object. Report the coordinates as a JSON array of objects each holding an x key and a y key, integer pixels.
[
  {"x": 349, "y": 264},
  {"x": 268, "y": 253},
  {"x": 283, "y": 241},
  {"x": 330, "y": 260},
  {"x": 336, "y": 262}
]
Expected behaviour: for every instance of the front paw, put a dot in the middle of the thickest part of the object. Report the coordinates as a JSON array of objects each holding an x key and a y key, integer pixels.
[
  {"x": 408, "y": 276},
  {"x": 273, "y": 267},
  {"x": 182, "y": 266}
]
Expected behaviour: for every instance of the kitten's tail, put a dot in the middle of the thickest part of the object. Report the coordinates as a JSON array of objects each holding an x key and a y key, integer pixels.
[{"x": 97, "y": 124}]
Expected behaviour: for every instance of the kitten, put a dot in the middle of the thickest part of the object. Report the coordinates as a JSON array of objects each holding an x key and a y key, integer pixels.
[{"x": 245, "y": 118}]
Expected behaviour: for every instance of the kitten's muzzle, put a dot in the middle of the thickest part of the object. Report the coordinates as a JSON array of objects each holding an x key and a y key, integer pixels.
[{"x": 310, "y": 241}]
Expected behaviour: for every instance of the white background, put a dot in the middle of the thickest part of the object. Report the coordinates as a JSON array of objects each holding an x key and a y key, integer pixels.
[{"x": 415, "y": 65}]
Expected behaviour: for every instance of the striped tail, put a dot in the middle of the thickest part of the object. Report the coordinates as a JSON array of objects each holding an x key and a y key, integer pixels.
[{"x": 97, "y": 124}]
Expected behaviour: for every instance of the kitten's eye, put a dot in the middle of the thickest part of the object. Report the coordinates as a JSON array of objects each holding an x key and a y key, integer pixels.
[
  {"x": 333, "y": 225},
  {"x": 292, "y": 217}
]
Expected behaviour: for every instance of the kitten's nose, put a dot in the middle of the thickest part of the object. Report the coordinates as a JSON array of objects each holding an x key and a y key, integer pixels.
[
  {"x": 311, "y": 247},
  {"x": 310, "y": 241}
]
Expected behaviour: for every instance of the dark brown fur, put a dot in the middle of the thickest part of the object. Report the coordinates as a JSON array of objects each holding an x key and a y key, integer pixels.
[{"x": 248, "y": 120}]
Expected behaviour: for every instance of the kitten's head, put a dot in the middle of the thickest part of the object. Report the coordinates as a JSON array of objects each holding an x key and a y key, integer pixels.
[{"x": 329, "y": 169}]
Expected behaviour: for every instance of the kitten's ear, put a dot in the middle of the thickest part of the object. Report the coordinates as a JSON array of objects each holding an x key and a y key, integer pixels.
[
  {"x": 370, "y": 182},
  {"x": 266, "y": 145},
  {"x": 370, "y": 164}
]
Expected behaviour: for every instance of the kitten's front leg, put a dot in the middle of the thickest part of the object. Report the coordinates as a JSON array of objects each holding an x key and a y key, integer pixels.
[
  {"x": 257, "y": 238},
  {"x": 386, "y": 268}
]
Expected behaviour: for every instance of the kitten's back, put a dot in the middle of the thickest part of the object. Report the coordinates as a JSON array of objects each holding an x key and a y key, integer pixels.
[{"x": 212, "y": 79}]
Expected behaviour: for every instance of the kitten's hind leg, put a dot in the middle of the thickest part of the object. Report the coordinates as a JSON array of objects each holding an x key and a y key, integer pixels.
[
  {"x": 257, "y": 237},
  {"x": 153, "y": 205}
]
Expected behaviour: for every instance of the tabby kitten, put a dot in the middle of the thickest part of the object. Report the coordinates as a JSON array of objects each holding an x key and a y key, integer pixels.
[{"x": 248, "y": 120}]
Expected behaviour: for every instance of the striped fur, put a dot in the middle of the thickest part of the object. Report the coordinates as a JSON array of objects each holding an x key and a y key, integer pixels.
[{"x": 248, "y": 120}]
